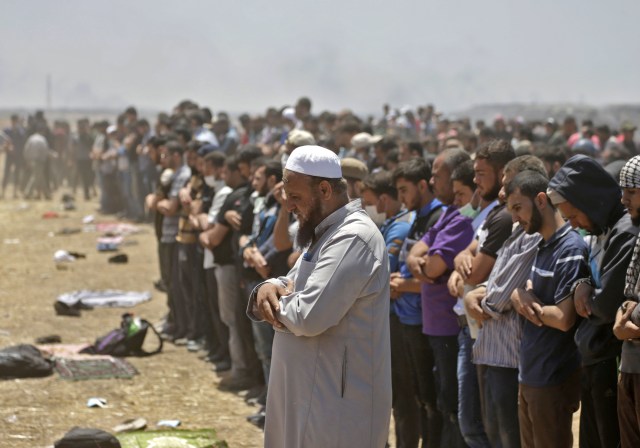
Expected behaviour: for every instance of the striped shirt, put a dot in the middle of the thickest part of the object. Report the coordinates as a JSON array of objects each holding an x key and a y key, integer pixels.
[
  {"x": 547, "y": 355},
  {"x": 498, "y": 342}
]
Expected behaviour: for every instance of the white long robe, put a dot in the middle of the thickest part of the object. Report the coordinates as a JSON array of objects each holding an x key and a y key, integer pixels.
[{"x": 330, "y": 380}]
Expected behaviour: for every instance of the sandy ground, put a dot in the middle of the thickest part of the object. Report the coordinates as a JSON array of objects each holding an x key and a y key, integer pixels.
[{"x": 172, "y": 385}]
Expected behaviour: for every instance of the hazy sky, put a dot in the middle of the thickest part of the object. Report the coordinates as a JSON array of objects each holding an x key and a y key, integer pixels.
[{"x": 249, "y": 54}]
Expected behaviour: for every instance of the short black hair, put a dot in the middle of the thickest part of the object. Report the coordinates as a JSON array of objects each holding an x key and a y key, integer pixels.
[
  {"x": 487, "y": 133},
  {"x": 273, "y": 168},
  {"x": 413, "y": 170},
  {"x": 183, "y": 132},
  {"x": 464, "y": 174},
  {"x": 381, "y": 182},
  {"x": 248, "y": 154},
  {"x": 231, "y": 162},
  {"x": 197, "y": 116},
  {"x": 526, "y": 162},
  {"x": 497, "y": 153},
  {"x": 305, "y": 102},
  {"x": 453, "y": 157},
  {"x": 551, "y": 153},
  {"x": 416, "y": 148},
  {"x": 350, "y": 127},
  {"x": 215, "y": 158},
  {"x": 174, "y": 147},
  {"x": 194, "y": 145},
  {"x": 530, "y": 183},
  {"x": 156, "y": 141}
]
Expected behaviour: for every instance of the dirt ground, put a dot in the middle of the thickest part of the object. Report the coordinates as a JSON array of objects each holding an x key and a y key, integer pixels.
[{"x": 172, "y": 385}]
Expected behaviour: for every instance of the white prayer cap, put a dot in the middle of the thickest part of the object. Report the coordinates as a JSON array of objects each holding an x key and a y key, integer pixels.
[
  {"x": 289, "y": 113},
  {"x": 316, "y": 161},
  {"x": 111, "y": 129}
]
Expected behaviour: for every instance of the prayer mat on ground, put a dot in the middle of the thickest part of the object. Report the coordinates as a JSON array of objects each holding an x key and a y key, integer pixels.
[
  {"x": 177, "y": 438},
  {"x": 96, "y": 367},
  {"x": 108, "y": 298}
]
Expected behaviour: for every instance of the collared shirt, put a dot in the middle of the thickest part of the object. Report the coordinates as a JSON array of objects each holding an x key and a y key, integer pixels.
[
  {"x": 408, "y": 307},
  {"x": 480, "y": 218},
  {"x": 495, "y": 230},
  {"x": 447, "y": 238},
  {"x": 498, "y": 342},
  {"x": 221, "y": 191},
  {"x": 170, "y": 223},
  {"x": 547, "y": 355},
  {"x": 266, "y": 214}
]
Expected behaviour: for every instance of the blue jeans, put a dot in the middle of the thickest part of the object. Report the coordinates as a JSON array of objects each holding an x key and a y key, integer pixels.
[
  {"x": 263, "y": 334},
  {"x": 469, "y": 411},
  {"x": 499, "y": 387},
  {"x": 132, "y": 208},
  {"x": 445, "y": 356}
]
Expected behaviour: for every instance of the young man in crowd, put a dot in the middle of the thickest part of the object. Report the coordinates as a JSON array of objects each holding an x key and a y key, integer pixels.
[
  {"x": 190, "y": 255},
  {"x": 411, "y": 180},
  {"x": 627, "y": 325},
  {"x": 431, "y": 261},
  {"x": 473, "y": 265},
  {"x": 14, "y": 160},
  {"x": 82, "y": 147},
  {"x": 497, "y": 347},
  {"x": 262, "y": 260},
  {"x": 589, "y": 198},
  {"x": 218, "y": 342},
  {"x": 549, "y": 360},
  {"x": 245, "y": 370},
  {"x": 379, "y": 194},
  {"x": 169, "y": 207}
]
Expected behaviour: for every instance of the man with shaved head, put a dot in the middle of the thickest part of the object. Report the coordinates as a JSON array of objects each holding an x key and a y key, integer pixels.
[{"x": 330, "y": 380}]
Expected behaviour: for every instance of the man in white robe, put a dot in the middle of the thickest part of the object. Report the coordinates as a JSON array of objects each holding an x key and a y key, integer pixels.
[{"x": 330, "y": 382}]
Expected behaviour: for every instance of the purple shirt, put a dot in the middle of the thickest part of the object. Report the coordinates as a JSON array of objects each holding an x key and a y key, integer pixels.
[{"x": 447, "y": 238}]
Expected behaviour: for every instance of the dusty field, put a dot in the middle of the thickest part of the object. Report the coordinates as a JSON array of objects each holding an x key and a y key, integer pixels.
[{"x": 172, "y": 385}]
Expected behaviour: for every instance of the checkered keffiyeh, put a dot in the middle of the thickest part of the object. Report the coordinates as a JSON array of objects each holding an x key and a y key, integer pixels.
[
  {"x": 630, "y": 173},
  {"x": 632, "y": 286},
  {"x": 630, "y": 178}
]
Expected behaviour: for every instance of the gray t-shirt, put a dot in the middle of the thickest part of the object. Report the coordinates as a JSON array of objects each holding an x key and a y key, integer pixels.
[{"x": 170, "y": 223}]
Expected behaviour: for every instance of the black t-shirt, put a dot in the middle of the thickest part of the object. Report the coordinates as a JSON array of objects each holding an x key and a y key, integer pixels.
[
  {"x": 238, "y": 200},
  {"x": 498, "y": 226},
  {"x": 422, "y": 224},
  {"x": 207, "y": 197}
]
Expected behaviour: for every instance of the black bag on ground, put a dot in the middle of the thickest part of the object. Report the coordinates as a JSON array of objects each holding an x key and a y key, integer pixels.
[
  {"x": 126, "y": 340},
  {"x": 23, "y": 361},
  {"x": 87, "y": 438}
]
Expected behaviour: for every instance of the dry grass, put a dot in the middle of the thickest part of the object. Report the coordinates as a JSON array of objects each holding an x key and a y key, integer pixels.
[{"x": 172, "y": 385}]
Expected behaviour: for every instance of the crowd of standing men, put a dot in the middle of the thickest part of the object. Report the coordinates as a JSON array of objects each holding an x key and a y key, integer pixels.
[{"x": 513, "y": 253}]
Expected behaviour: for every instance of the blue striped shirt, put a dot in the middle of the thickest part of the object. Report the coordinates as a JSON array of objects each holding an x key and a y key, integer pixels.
[{"x": 498, "y": 342}]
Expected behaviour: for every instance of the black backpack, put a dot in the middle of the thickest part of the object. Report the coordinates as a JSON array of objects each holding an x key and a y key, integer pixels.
[
  {"x": 87, "y": 438},
  {"x": 23, "y": 361},
  {"x": 126, "y": 340}
]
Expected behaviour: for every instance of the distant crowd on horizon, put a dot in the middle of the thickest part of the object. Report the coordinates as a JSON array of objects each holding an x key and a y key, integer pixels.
[{"x": 75, "y": 153}]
